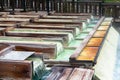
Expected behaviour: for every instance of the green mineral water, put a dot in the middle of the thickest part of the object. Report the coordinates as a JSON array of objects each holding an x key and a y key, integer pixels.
[
  {"x": 75, "y": 43},
  {"x": 91, "y": 25},
  {"x": 81, "y": 36},
  {"x": 87, "y": 30},
  {"x": 65, "y": 54}
]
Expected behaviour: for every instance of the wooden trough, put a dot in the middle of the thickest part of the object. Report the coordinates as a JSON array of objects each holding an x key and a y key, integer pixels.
[
  {"x": 88, "y": 52},
  {"x": 47, "y": 40},
  {"x": 14, "y": 66}
]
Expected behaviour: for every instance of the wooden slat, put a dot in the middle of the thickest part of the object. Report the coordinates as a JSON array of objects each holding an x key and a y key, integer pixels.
[
  {"x": 21, "y": 16},
  {"x": 57, "y": 21},
  {"x": 106, "y": 23},
  {"x": 15, "y": 70},
  {"x": 99, "y": 34},
  {"x": 88, "y": 54},
  {"x": 66, "y": 74},
  {"x": 63, "y": 38},
  {"x": 72, "y": 14},
  {"x": 2, "y": 30},
  {"x": 49, "y": 27},
  {"x": 7, "y": 24},
  {"x": 2, "y": 46},
  {"x": 13, "y": 19},
  {"x": 7, "y": 49},
  {"x": 95, "y": 42},
  {"x": 84, "y": 43},
  {"x": 81, "y": 74},
  {"x": 103, "y": 27},
  {"x": 47, "y": 52},
  {"x": 49, "y": 47}
]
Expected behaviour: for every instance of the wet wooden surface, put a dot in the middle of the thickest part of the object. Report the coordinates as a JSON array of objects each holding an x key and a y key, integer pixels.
[
  {"x": 15, "y": 69},
  {"x": 88, "y": 54},
  {"x": 95, "y": 42},
  {"x": 103, "y": 27},
  {"x": 99, "y": 34}
]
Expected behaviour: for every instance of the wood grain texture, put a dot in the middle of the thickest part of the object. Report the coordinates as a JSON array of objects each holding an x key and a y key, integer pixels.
[
  {"x": 103, "y": 27},
  {"x": 81, "y": 74},
  {"x": 88, "y": 53},
  {"x": 95, "y": 42},
  {"x": 16, "y": 69},
  {"x": 99, "y": 34},
  {"x": 84, "y": 43}
]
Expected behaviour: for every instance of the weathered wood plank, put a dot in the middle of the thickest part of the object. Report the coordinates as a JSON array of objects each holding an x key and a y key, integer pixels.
[
  {"x": 15, "y": 70},
  {"x": 2, "y": 30},
  {"x": 54, "y": 46},
  {"x": 84, "y": 43},
  {"x": 56, "y": 21},
  {"x": 88, "y": 54},
  {"x": 21, "y": 16},
  {"x": 63, "y": 38},
  {"x": 95, "y": 42},
  {"x": 13, "y": 19},
  {"x": 100, "y": 34},
  {"x": 81, "y": 74},
  {"x": 72, "y": 14}
]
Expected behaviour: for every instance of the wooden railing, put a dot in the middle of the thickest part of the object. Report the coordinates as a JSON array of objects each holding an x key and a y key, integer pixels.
[{"x": 96, "y": 7}]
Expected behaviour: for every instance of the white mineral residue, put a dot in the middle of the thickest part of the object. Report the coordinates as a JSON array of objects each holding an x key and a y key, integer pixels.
[{"x": 106, "y": 61}]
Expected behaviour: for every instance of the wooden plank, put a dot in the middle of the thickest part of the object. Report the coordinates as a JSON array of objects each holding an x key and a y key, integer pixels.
[
  {"x": 48, "y": 36},
  {"x": 103, "y": 27},
  {"x": 84, "y": 43},
  {"x": 57, "y": 21},
  {"x": 13, "y": 20},
  {"x": 81, "y": 74},
  {"x": 72, "y": 14},
  {"x": 2, "y": 46},
  {"x": 88, "y": 54},
  {"x": 7, "y": 24},
  {"x": 50, "y": 26},
  {"x": 99, "y": 34},
  {"x": 26, "y": 30},
  {"x": 21, "y": 16},
  {"x": 73, "y": 29},
  {"x": 6, "y": 49},
  {"x": 106, "y": 23},
  {"x": 66, "y": 17},
  {"x": 75, "y": 75},
  {"x": 15, "y": 70},
  {"x": 66, "y": 74},
  {"x": 95, "y": 42},
  {"x": 38, "y": 49},
  {"x": 51, "y": 47},
  {"x": 2, "y": 30}
]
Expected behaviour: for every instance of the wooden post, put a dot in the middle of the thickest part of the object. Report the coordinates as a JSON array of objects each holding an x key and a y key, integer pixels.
[
  {"x": 47, "y": 6},
  {"x": 2, "y": 4},
  {"x": 12, "y": 2}
]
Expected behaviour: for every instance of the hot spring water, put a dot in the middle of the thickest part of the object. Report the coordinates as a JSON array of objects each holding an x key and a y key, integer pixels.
[{"x": 75, "y": 42}]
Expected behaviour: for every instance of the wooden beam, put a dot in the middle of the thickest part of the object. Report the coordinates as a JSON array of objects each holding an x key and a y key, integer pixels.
[{"x": 16, "y": 70}]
